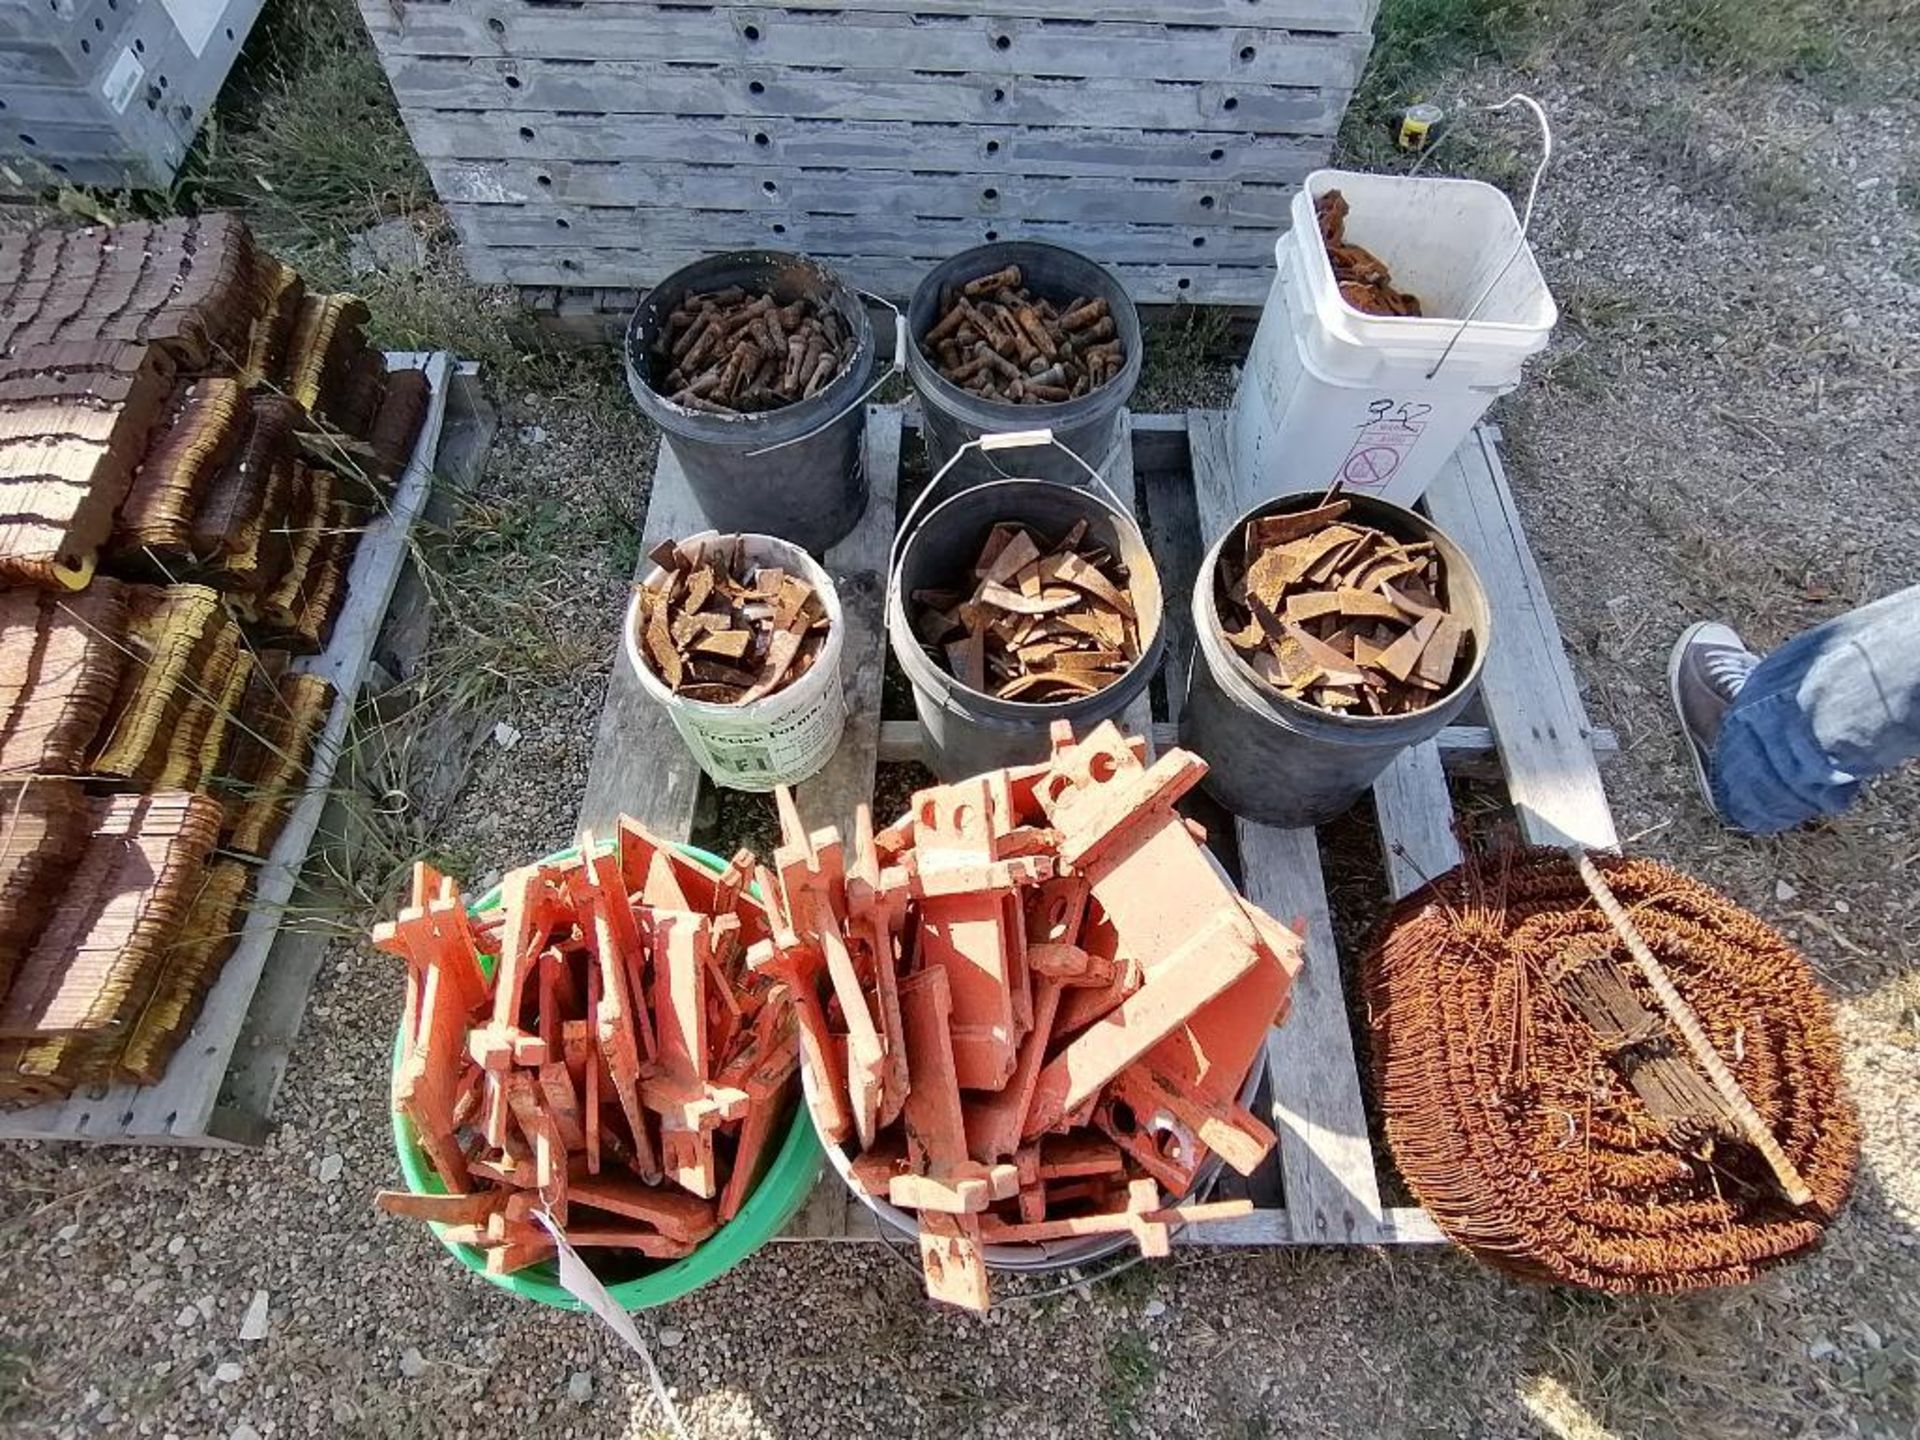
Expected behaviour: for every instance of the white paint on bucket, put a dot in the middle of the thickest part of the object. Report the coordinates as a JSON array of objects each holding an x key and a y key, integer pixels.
[{"x": 787, "y": 736}]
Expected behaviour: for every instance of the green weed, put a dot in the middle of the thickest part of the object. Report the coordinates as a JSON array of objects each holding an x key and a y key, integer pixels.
[
  {"x": 1129, "y": 1372},
  {"x": 306, "y": 138}
]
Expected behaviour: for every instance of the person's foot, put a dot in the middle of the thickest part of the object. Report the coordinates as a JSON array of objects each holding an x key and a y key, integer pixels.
[{"x": 1709, "y": 665}]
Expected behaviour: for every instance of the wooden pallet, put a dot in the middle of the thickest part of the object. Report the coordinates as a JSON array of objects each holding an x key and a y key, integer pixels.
[
  {"x": 1535, "y": 735},
  {"x": 609, "y": 142},
  {"x": 215, "y": 1090}
]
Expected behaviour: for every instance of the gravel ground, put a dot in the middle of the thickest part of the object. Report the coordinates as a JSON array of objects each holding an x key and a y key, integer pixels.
[{"x": 1724, "y": 425}]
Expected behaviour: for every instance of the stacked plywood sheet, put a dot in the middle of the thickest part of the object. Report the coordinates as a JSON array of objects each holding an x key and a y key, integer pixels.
[
  {"x": 608, "y": 142},
  {"x": 174, "y": 409}
]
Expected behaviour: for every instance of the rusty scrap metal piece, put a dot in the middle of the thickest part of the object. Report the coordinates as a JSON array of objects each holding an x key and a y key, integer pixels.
[
  {"x": 994, "y": 337},
  {"x": 1340, "y": 615},
  {"x": 724, "y": 630},
  {"x": 1042, "y": 621},
  {"x": 726, "y": 352},
  {"x": 1364, "y": 280}
]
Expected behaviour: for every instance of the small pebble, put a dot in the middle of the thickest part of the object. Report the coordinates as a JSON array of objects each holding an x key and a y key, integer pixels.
[
  {"x": 1784, "y": 891},
  {"x": 412, "y": 1363},
  {"x": 1154, "y": 1309},
  {"x": 176, "y": 1245},
  {"x": 580, "y": 1387},
  {"x": 254, "y": 1326},
  {"x": 331, "y": 1167},
  {"x": 669, "y": 1337},
  {"x": 188, "y": 1317},
  {"x": 227, "y": 1372}
]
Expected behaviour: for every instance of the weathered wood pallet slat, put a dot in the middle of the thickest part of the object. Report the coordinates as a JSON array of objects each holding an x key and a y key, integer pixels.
[
  {"x": 641, "y": 768},
  {"x": 898, "y": 234},
  {"x": 178, "y": 1109},
  {"x": 619, "y": 269},
  {"x": 545, "y": 188},
  {"x": 1323, "y": 16},
  {"x": 1114, "y": 151},
  {"x": 517, "y": 84},
  {"x": 968, "y": 43},
  {"x": 1533, "y": 702}
]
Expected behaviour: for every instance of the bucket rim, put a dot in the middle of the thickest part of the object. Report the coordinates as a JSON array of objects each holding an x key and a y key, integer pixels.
[
  {"x": 1212, "y": 633},
  {"x": 922, "y": 368},
  {"x": 657, "y": 689},
  {"x": 633, "y": 354},
  {"x": 1151, "y": 651}
]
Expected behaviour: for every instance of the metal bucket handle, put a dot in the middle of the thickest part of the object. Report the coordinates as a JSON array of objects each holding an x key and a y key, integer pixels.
[
  {"x": 899, "y": 364},
  {"x": 1012, "y": 440}
]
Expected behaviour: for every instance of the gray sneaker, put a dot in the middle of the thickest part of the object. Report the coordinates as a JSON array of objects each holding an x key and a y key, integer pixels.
[{"x": 1708, "y": 666}]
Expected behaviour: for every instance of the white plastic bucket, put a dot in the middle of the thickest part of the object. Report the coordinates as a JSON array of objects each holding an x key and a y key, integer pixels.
[
  {"x": 781, "y": 739},
  {"x": 1378, "y": 402}
]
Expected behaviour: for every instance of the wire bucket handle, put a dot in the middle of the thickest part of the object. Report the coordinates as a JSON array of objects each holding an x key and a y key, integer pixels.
[
  {"x": 1526, "y": 218},
  {"x": 986, "y": 445},
  {"x": 898, "y": 365}
]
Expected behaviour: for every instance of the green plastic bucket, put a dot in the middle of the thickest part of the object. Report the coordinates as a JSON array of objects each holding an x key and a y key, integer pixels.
[{"x": 780, "y": 1191}]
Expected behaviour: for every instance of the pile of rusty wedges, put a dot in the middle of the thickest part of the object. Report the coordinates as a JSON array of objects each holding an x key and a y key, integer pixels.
[
  {"x": 620, "y": 1071},
  {"x": 1030, "y": 1005}
]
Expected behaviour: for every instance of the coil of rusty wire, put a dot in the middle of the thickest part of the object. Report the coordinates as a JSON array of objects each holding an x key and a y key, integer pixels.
[{"x": 1552, "y": 1123}]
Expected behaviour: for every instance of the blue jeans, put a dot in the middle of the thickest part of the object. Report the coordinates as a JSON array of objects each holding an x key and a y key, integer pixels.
[{"x": 1831, "y": 708}]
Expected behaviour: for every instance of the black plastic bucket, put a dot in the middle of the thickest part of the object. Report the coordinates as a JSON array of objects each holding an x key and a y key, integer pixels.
[
  {"x": 1281, "y": 761},
  {"x": 1089, "y": 426},
  {"x": 967, "y": 732},
  {"x": 794, "y": 472}
]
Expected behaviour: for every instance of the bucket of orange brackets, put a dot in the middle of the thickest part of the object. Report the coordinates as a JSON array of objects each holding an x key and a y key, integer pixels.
[
  {"x": 763, "y": 1174},
  {"x": 1033, "y": 1011}
]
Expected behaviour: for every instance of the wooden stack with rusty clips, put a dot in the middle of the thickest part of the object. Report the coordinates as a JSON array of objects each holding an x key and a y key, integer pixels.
[
  {"x": 1029, "y": 1005},
  {"x": 620, "y": 1069},
  {"x": 189, "y": 443}
]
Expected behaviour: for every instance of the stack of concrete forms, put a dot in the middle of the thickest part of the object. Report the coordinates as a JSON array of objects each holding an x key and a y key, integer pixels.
[
  {"x": 110, "y": 92},
  {"x": 605, "y": 143}
]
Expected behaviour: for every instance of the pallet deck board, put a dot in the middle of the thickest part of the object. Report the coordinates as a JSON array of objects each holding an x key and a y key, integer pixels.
[
  {"x": 179, "y": 1108},
  {"x": 640, "y": 766},
  {"x": 1533, "y": 702},
  {"x": 1326, "y": 1157}
]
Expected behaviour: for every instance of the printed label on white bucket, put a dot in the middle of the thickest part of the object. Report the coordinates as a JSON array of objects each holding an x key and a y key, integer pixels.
[
  {"x": 758, "y": 755},
  {"x": 1383, "y": 443}
]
